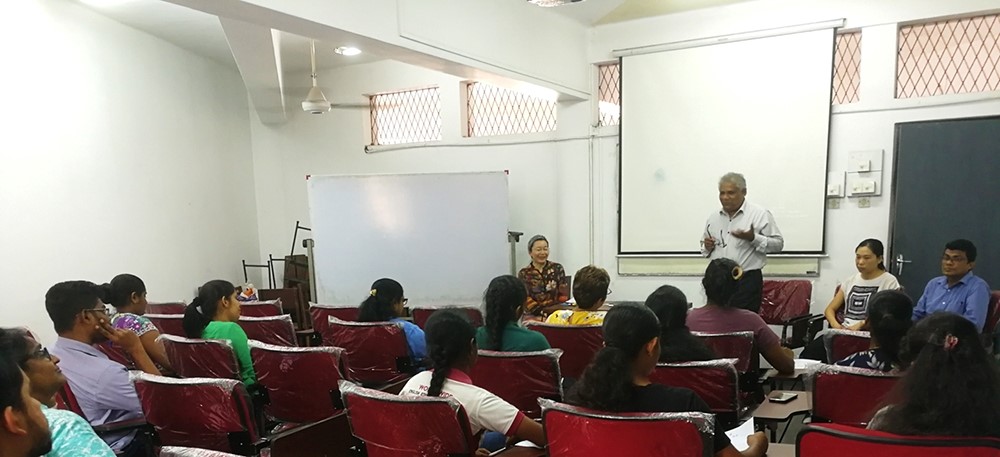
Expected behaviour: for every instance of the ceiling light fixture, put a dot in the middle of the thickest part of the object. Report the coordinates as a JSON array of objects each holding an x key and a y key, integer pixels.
[
  {"x": 315, "y": 102},
  {"x": 347, "y": 51},
  {"x": 551, "y": 3}
]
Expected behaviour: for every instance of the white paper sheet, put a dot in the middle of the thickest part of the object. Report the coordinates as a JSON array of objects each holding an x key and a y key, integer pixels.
[
  {"x": 738, "y": 436},
  {"x": 802, "y": 364}
]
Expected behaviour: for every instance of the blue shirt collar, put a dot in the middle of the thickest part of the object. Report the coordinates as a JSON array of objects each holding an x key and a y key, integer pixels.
[
  {"x": 965, "y": 279},
  {"x": 74, "y": 345}
]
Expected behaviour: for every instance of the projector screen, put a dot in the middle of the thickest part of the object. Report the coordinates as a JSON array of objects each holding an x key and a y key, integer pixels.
[{"x": 759, "y": 107}]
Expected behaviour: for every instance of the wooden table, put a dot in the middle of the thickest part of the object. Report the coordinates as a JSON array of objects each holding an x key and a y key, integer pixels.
[
  {"x": 770, "y": 414},
  {"x": 773, "y": 450},
  {"x": 778, "y": 380}
]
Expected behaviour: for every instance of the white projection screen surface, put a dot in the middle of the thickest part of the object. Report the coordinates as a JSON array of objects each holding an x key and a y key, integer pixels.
[{"x": 759, "y": 107}]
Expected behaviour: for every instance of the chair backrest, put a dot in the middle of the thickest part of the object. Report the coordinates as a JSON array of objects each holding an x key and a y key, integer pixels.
[
  {"x": 175, "y": 307},
  {"x": 992, "y": 313},
  {"x": 206, "y": 413},
  {"x": 321, "y": 317},
  {"x": 577, "y": 432},
  {"x": 848, "y": 395},
  {"x": 735, "y": 345},
  {"x": 270, "y": 329},
  {"x": 831, "y": 440},
  {"x": 376, "y": 352},
  {"x": 292, "y": 302},
  {"x": 579, "y": 344},
  {"x": 66, "y": 399},
  {"x": 520, "y": 378},
  {"x": 420, "y": 314},
  {"x": 301, "y": 382},
  {"x": 841, "y": 343},
  {"x": 168, "y": 324},
  {"x": 261, "y": 308},
  {"x": 116, "y": 353},
  {"x": 715, "y": 381},
  {"x": 442, "y": 429},
  {"x": 197, "y": 358},
  {"x": 782, "y": 301},
  {"x": 177, "y": 451}
]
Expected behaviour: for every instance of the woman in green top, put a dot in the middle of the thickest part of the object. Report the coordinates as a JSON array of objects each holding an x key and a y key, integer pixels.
[
  {"x": 213, "y": 315},
  {"x": 504, "y": 301}
]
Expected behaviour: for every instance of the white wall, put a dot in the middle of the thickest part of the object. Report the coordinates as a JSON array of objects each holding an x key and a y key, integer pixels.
[
  {"x": 866, "y": 125},
  {"x": 120, "y": 153}
]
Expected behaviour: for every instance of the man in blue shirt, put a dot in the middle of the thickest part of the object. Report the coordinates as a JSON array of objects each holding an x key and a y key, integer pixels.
[{"x": 959, "y": 291}]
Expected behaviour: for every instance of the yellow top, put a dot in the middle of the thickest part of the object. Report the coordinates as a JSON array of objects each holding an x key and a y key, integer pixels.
[{"x": 576, "y": 317}]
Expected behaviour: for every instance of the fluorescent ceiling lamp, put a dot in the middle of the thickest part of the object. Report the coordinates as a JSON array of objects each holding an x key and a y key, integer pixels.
[
  {"x": 347, "y": 51},
  {"x": 550, "y": 3},
  {"x": 105, "y": 3}
]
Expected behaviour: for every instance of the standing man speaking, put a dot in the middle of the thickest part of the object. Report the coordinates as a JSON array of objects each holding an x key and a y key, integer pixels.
[{"x": 744, "y": 232}]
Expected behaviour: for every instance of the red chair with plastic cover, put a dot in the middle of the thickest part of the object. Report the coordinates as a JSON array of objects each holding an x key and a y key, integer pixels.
[
  {"x": 715, "y": 381},
  {"x": 166, "y": 308},
  {"x": 321, "y": 318},
  {"x": 205, "y": 413},
  {"x": 520, "y": 378},
  {"x": 270, "y": 329},
  {"x": 168, "y": 324},
  {"x": 420, "y": 314},
  {"x": 735, "y": 345},
  {"x": 579, "y": 344},
  {"x": 786, "y": 303},
  {"x": 301, "y": 382},
  {"x": 579, "y": 432},
  {"x": 376, "y": 352},
  {"x": 261, "y": 308},
  {"x": 841, "y": 343},
  {"x": 116, "y": 353},
  {"x": 867, "y": 388},
  {"x": 197, "y": 358},
  {"x": 831, "y": 440},
  {"x": 392, "y": 426},
  {"x": 992, "y": 321}
]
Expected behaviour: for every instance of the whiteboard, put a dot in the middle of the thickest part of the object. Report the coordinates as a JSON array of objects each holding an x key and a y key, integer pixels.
[
  {"x": 443, "y": 236},
  {"x": 759, "y": 107}
]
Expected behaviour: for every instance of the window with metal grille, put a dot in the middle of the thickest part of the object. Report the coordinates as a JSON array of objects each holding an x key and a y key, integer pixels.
[
  {"x": 949, "y": 57},
  {"x": 609, "y": 110},
  {"x": 495, "y": 110},
  {"x": 847, "y": 68},
  {"x": 410, "y": 116}
]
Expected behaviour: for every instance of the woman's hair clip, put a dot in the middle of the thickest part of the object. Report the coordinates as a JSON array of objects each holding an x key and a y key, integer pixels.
[
  {"x": 737, "y": 273},
  {"x": 373, "y": 291},
  {"x": 950, "y": 341}
]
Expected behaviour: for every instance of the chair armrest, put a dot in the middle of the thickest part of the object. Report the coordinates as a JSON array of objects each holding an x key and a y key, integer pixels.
[{"x": 130, "y": 424}]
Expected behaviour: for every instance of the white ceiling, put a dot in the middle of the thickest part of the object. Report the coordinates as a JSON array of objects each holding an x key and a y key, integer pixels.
[{"x": 593, "y": 12}]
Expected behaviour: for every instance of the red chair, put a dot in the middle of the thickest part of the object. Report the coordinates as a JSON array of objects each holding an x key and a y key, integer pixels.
[
  {"x": 166, "y": 308},
  {"x": 197, "y": 358},
  {"x": 579, "y": 344},
  {"x": 992, "y": 321},
  {"x": 206, "y": 413},
  {"x": 786, "y": 303},
  {"x": 301, "y": 382},
  {"x": 736, "y": 345},
  {"x": 831, "y": 440},
  {"x": 520, "y": 378},
  {"x": 271, "y": 329},
  {"x": 578, "y": 432},
  {"x": 841, "y": 343},
  {"x": 715, "y": 381},
  {"x": 377, "y": 352},
  {"x": 321, "y": 315},
  {"x": 116, "y": 353},
  {"x": 261, "y": 308},
  {"x": 292, "y": 302},
  {"x": 168, "y": 324},
  {"x": 422, "y": 313},
  {"x": 868, "y": 389},
  {"x": 389, "y": 427}
]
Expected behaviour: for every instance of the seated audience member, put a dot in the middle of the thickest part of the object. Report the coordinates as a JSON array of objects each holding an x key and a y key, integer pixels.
[
  {"x": 504, "y": 304},
  {"x": 71, "y": 435},
  {"x": 127, "y": 293},
  {"x": 452, "y": 353},
  {"x": 721, "y": 281},
  {"x": 677, "y": 344},
  {"x": 24, "y": 432},
  {"x": 590, "y": 290},
  {"x": 385, "y": 303},
  {"x": 618, "y": 378},
  {"x": 214, "y": 315},
  {"x": 855, "y": 292},
  {"x": 889, "y": 314},
  {"x": 951, "y": 387},
  {"x": 101, "y": 386},
  {"x": 546, "y": 281},
  {"x": 958, "y": 291}
]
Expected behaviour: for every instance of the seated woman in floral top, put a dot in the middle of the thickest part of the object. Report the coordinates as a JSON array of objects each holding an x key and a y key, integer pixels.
[
  {"x": 546, "y": 281},
  {"x": 889, "y": 318},
  {"x": 127, "y": 293}
]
